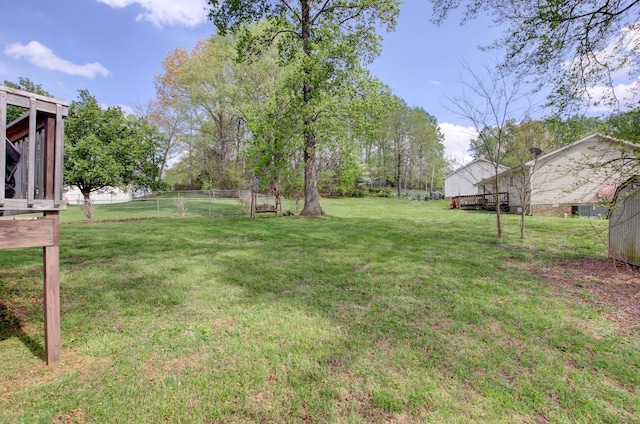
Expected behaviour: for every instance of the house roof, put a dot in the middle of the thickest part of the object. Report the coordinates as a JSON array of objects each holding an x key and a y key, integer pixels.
[
  {"x": 575, "y": 143},
  {"x": 559, "y": 150},
  {"x": 502, "y": 168}
]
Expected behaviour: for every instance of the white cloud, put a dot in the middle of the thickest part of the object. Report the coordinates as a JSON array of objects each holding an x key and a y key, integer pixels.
[
  {"x": 457, "y": 142},
  {"x": 626, "y": 94},
  {"x": 621, "y": 57},
  {"x": 43, "y": 57},
  {"x": 126, "y": 109},
  {"x": 166, "y": 12}
]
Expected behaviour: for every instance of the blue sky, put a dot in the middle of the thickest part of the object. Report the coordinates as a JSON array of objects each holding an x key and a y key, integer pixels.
[{"x": 114, "y": 48}]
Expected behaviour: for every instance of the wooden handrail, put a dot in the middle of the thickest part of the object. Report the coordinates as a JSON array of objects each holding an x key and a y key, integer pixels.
[{"x": 41, "y": 166}]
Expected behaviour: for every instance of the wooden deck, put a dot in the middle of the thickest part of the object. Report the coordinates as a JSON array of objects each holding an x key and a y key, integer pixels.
[
  {"x": 31, "y": 165},
  {"x": 482, "y": 201}
]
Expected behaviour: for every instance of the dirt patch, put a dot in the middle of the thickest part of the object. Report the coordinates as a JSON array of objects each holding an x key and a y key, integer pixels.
[
  {"x": 614, "y": 286},
  {"x": 70, "y": 417},
  {"x": 38, "y": 374}
]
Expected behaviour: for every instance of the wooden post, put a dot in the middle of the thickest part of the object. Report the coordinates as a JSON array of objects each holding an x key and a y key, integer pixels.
[
  {"x": 3, "y": 136},
  {"x": 253, "y": 204},
  {"x": 52, "y": 342},
  {"x": 51, "y": 253}
]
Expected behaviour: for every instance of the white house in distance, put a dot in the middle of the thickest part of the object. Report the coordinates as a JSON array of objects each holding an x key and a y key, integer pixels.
[
  {"x": 72, "y": 195},
  {"x": 585, "y": 172},
  {"x": 463, "y": 181}
]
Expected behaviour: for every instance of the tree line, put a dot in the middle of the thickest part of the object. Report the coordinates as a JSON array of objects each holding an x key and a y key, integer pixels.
[
  {"x": 281, "y": 100},
  {"x": 227, "y": 117},
  {"x": 235, "y": 124}
]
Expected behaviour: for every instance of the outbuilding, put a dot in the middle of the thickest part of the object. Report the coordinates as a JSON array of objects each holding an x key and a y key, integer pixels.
[{"x": 624, "y": 223}]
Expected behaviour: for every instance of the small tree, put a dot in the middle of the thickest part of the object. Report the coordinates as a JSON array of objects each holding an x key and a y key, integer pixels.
[
  {"x": 87, "y": 208},
  {"x": 531, "y": 139},
  {"x": 487, "y": 103},
  {"x": 180, "y": 205}
]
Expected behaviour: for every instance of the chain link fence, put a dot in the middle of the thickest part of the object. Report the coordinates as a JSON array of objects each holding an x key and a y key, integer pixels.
[{"x": 182, "y": 203}]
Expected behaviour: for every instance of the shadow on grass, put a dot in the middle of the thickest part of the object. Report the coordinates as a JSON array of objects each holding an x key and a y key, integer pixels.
[
  {"x": 441, "y": 298},
  {"x": 11, "y": 326}
]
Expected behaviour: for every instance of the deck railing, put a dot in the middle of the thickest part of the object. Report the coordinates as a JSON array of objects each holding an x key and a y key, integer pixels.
[
  {"x": 38, "y": 137},
  {"x": 486, "y": 201}
]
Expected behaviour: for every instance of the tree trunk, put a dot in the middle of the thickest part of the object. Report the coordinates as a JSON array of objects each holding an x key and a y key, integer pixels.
[
  {"x": 311, "y": 196},
  {"x": 399, "y": 172},
  {"x": 496, "y": 188}
]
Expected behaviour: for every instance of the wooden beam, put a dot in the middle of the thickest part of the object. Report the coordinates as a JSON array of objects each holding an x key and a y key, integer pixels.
[
  {"x": 58, "y": 157},
  {"x": 21, "y": 233},
  {"x": 49, "y": 157},
  {"x": 31, "y": 154},
  {"x": 51, "y": 255},
  {"x": 3, "y": 147},
  {"x": 39, "y": 205},
  {"x": 21, "y": 98}
]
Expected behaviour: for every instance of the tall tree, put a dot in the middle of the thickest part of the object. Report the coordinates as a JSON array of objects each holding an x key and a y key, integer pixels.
[
  {"x": 273, "y": 151},
  {"x": 324, "y": 40},
  {"x": 170, "y": 123},
  {"x": 105, "y": 148},
  {"x": 566, "y": 131},
  {"x": 399, "y": 134},
  {"x": 426, "y": 151},
  {"x": 624, "y": 126},
  {"x": 173, "y": 100},
  {"x": 575, "y": 45},
  {"x": 366, "y": 122},
  {"x": 211, "y": 81}
]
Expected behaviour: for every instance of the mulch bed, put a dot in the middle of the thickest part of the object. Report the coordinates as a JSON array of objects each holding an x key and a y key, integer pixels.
[{"x": 614, "y": 285}]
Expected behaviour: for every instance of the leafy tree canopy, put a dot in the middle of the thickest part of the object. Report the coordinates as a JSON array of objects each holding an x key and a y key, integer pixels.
[
  {"x": 625, "y": 126},
  {"x": 575, "y": 45},
  {"x": 324, "y": 41},
  {"x": 566, "y": 131},
  {"x": 103, "y": 148}
]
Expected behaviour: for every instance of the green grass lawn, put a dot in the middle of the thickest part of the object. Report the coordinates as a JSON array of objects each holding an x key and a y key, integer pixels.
[
  {"x": 160, "y": 207},
  {"x": 384, "y": 311}
]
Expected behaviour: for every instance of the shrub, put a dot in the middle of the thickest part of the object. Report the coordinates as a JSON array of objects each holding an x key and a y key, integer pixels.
[
  {"x": 359, "y": 192},
  {"x": 181, "y": 206},
  {"x": 87, "y": 207},
  {"x": 380, "y": 192}
]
